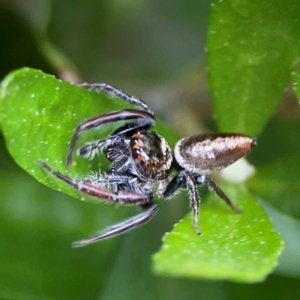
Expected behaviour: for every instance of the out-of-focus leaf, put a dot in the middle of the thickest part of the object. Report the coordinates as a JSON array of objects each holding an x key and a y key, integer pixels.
[
  {"x": 280, "y": 140},
  {"x": 296, "y": 83},
  {"x": 16, "y": 35},
  {"x": 36, "y": 14},
  {"x": 252, "y": 47},
  {"x": 274, "y": 288},
  {"x": 37, "y": 226},
  {"x": 279, "y": 184},
  {"x": 130, "y": 277},
  {"x": 289, "y": 228},
  {"x": 242, "y": 248}
]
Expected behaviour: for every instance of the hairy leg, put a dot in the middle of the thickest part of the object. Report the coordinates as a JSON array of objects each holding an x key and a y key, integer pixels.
[
  {"x": 115, "y": 92},
  {"x": 121, "y": 227},
  {"x": 184, "y": 178},
  {"x": 141, "y": 119},
  {"x": 129, "y": 197},
  {"x": 213, "y": 186}
]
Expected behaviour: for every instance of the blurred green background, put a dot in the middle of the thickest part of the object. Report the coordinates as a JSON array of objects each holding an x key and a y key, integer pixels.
[{"x": 150, "y": 48}]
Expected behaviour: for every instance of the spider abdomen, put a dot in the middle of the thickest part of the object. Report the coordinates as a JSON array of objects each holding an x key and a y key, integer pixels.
[{"x": 206, "y": 153}]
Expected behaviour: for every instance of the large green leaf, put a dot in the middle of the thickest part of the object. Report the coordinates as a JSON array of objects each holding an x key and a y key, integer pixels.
[
  {"x": 39, "y": 114},
  {"x": 252, "y": 47},
  {"x": 234, "y": 247}
]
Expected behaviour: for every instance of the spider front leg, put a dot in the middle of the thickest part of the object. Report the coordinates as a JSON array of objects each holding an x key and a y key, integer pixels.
[
  {"x": 142, "y": 119},
  {"x": 122, "y": 227},
  {"x": 186, "y": 179},
  {"x": 134, "y": 195},
  {"x": 115, "y": 92},
  {"x": 89, "y": 187}
]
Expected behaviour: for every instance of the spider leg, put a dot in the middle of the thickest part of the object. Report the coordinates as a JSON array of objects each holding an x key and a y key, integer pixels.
[
  {"x": 184, "y": 178},
  {"x": 121, "y": 227},
  {"x": 213, "y": 186},
  {"x": 128, "y": 197},
  {"x": 142, "y": 119},
  {"x": 115, "y": 92},
  {"x": 91, "y": 149}
]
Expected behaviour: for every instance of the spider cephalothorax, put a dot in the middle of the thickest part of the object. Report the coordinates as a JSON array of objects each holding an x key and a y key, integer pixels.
[
  {"x": 142, "y": 163},
  {"x": 152, "y": 155}
]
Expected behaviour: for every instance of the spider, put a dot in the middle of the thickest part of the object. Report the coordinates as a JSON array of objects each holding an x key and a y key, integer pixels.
[{"x": 142, "y": 163}]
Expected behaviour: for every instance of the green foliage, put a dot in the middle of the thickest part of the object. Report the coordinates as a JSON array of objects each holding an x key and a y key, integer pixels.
[
  {"x": 252, "y": 48},
  {"x": 241, "y": 248},
  {"x": 296, "y": 83},
  {"x": 38, "y": 117},
  {"x": 45, "y": 114},
  {"x": 37, "y": 226},
  {"x": 277, "y": 182}
]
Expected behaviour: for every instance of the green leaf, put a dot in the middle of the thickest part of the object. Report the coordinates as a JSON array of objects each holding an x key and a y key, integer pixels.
[
  {"x": 242, "y": 248},
  {"x": 39, "y": 113},
  {"x": 252, "y": 47},
  {"x": 38, "y": 117}
]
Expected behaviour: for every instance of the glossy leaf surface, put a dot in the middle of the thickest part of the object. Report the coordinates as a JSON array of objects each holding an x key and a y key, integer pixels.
[
  {"x": 234, "y": 247},
  {"x": 39, "y": 114},
  {"x": 252, "y": 48}
]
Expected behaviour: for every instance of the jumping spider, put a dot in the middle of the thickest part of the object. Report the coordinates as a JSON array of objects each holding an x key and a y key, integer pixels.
[{"x": 142, "y": 162}]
